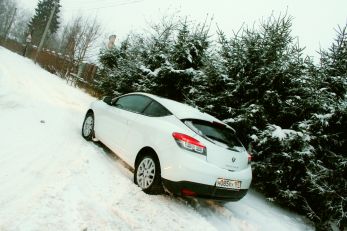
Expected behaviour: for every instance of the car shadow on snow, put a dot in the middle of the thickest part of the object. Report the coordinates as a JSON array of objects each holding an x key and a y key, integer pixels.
[
  {"x": 214, "y": 211},
  {"x": 113, "y": 156}
]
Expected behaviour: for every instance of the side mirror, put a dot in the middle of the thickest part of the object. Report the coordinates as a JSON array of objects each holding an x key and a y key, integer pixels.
[{"x": 107, "y": 100}]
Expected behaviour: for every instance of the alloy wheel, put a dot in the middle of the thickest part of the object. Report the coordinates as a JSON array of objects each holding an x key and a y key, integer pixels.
[
  {"x": 88, "y": 126},
  {"x": 146, "y": 173}
]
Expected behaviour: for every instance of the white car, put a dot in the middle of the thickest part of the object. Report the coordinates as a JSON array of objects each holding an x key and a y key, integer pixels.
[{"x": 171, "y": 146}]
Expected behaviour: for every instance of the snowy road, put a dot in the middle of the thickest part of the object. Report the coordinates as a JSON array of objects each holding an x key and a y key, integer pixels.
[{"x": 52, "y": 179}]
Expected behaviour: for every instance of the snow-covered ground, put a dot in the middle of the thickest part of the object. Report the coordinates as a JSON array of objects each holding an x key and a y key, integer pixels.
[{"x": 52, "y": 179}]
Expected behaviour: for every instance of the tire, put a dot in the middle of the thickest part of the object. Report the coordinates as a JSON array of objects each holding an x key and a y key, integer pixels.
[
  {"x": 88, "y": 126},
  {"x": 147, "y": 175}
]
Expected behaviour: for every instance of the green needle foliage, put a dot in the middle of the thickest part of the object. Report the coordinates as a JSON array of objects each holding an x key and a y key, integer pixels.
[
  {"x": 38, "y": 22},
  {"x": 291, "y": 113}
]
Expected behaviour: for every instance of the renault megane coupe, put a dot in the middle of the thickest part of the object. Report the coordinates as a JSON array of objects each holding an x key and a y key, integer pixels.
[{"x": 171, "y": 146}]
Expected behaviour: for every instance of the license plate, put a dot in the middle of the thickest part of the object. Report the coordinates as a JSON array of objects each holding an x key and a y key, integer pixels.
[{"x": 229, "y": 184}]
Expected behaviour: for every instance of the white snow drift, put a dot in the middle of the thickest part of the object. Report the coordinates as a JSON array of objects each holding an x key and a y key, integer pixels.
[{"x": 52, "y": 179}]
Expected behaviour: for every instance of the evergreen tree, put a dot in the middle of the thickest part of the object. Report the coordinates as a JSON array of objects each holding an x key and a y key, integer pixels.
[
  {"x": 164, "y": 63},
  {"x": 38, "y": 22},
  {"x": 258, "y": 78},
  {"x": 292, "y": 112},
  {"x": 119, "y": 73},
  {"x": 307, "y": 163},
  {"x": 334, "y": 64},
  {"x": 328, "y": 136},
  {"x": 184, "y": 62}
]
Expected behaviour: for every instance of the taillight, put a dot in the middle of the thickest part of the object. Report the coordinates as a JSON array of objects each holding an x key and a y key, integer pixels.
[
  {"x": 249, "y": 158},
  {"x": 188, "y": 192},
  {"x": 189, "y": 143}
]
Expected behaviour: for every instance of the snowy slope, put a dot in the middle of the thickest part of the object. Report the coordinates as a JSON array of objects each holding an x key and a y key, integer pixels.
[{"x": 52, "y": 179}]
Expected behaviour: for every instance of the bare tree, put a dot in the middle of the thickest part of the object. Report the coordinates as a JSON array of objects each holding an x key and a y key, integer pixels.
[
  {"x": 90, "y": 33},
  {"x": 20, "y": 25},
  {"x": 77, "y": 42},
  {"x": 79, "y": 37},
  {"x": 70, "y": 36},
  {"x": 7, "y": 8}
]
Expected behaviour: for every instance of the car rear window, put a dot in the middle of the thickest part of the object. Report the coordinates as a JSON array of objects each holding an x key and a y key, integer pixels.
[{"x": 216, "y": 132}]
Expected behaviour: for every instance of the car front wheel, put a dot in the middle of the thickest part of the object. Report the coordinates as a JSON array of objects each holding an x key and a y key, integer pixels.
[
  {"x": 88, "y": 126},
  {"x": 147, "y": 175}
]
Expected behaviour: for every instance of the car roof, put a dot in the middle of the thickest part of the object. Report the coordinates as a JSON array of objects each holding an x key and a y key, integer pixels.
[{"x": 180, "y": 110}]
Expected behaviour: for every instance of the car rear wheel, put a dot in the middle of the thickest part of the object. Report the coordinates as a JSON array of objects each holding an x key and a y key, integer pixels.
[
  {"x": 147, "y": 175},
  {"x": 88, "y": 126}
]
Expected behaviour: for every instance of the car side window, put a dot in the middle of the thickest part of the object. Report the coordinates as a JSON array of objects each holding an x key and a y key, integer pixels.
[
  {"x": 156, "y": 110},
  {"x": 134, "y": 103}
]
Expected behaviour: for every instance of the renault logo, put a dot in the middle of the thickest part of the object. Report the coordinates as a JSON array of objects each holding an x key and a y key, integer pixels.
[{"x": 233, "y": 159}]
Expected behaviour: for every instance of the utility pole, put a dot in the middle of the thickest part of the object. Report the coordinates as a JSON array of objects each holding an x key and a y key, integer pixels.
[
  {"x": 10, "y": 25},
  {"x": 46, "y": 31}
]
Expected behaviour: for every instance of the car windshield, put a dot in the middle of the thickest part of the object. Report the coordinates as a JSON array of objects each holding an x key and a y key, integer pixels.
[{"x": 216, "y": 132}]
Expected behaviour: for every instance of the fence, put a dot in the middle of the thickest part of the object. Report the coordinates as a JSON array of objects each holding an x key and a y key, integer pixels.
[{"x": 82, "y": 76}]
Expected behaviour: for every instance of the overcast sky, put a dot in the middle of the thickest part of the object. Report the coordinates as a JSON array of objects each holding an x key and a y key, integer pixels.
[{"x": 314, "y": 20}]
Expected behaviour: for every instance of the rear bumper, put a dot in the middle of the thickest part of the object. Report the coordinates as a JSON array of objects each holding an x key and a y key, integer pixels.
[
  {"x": 204, "y": 191},
  {"x": 185, "y": 166}
]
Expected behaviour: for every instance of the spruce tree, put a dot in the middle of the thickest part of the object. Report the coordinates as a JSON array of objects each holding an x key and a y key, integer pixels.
[
  {"x": 292, "y": 112},
  {"x": 165, "y": 63},
  {"x": 38, "y": 22},
  {"x": 328, "y": 135},
  {"x": 119, "y": 72},
  {"x": 334, "y": 64}
]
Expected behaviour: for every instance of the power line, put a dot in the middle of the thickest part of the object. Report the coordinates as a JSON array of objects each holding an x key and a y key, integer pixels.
[
  {"x": 82, "y": 2},
  {"x": 123, "y": 3}
]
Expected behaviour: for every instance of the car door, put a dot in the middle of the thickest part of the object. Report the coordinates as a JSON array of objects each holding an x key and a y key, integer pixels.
[
  {"x": 119, "y": 117},
  {"x": 144, "y": 127}
]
